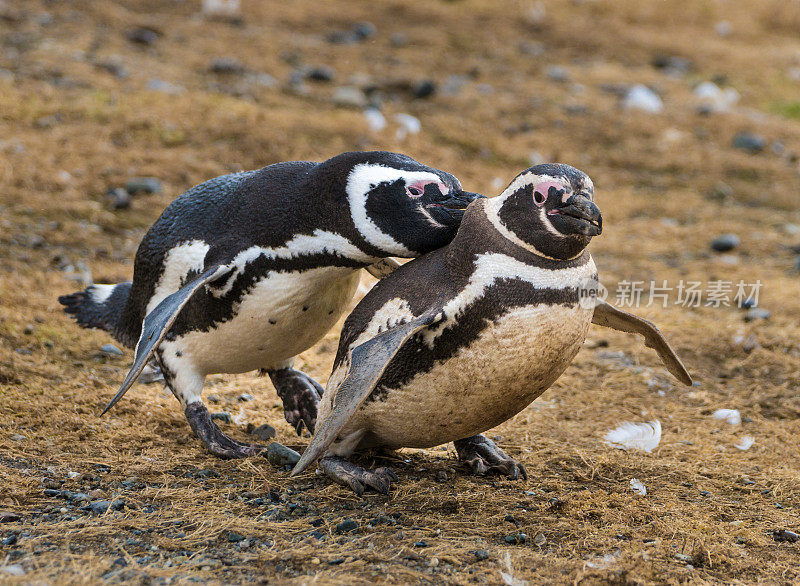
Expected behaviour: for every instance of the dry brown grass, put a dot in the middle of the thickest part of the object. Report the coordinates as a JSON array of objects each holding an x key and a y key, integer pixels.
[{"x": 53, "y": 383}]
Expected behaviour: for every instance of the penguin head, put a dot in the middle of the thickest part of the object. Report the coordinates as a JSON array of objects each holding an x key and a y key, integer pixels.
[
  {"x": 402, "y": 207},
  {"x": 550, "y": 209}
]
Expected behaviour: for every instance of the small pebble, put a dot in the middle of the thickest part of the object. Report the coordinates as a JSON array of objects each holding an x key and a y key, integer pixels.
[
  {"x": 785, "y": 535},
  {"x": 757, "y": 313},
  {"x": 213, "y": 398},
  {"x": 13, "y": 570},
  {"x": 142, "y": 35},
  {"x": 100, "y": 507},
  {"x": 143, "y": 185},
  {"x": 118, "y": 198},
  {"x": 725, "y": 242},
  {"x": 234, "y": 537},
  {"x": 421, "y": 543},
  {"x": 322, "y": 73},
  {"x": 423, "y": 89},
  {"x": 481, "y": 554},
  {"x": 683, "y": 557},
  {"x": 10, "y": 540},
  {"x": 346, "y": 526},
  {"x": 280, "y": 455},
  {"x": 110, "y": 350},
  {"x": 441, "y": 476},
  {"x": 244, "y": 397},
  {"x": 221, "y": 416},
  {"x": 747, "y": 141},
  {"x": 349, "y": 96},
  {"x": 364, "y": 30},
  {"x": 640, "y": 97},
  {"x": 557, "y": 73},
  {"x": 264, "y": 432},
  {"x": 539, "y": 540},
  {"x": 516, "y": 538},
  {"x": 18, "y": 437},
  {"x": 9, "y": 517},
  {"x": 226, "y": 66}
]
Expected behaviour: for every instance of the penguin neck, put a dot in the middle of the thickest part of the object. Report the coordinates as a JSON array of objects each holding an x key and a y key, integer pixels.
[{"x": 481, "y": 232}]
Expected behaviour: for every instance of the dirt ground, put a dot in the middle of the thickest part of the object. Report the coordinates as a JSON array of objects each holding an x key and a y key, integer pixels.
[{"x": 84, "y": 108}]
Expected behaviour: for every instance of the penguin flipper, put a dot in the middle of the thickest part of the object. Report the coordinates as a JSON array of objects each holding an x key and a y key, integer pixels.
[
  {"x": 368, "y": 361},
  {"x": 609, "y": 316},
  {"x": 383, "y": 268},
  {"x": 157, "y": 324}
]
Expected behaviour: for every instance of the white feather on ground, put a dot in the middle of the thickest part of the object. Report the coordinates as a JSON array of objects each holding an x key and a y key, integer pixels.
[
  {"x": 745, "y": 443},
  {"x": 638, "y": 487},
  {"x": 731, "y": 416},
  {"x": 635, "y": 436}
]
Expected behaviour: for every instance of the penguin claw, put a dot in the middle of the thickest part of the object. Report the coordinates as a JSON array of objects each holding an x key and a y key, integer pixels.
[
  {"x": 300, "y": 395},
  {"x": 212, "y": 437},
  {"x": 482, "y": 455},
  {"x": 355, "y": 477}
]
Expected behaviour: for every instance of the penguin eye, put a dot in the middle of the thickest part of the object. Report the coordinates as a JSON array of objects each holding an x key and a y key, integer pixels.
[
  {"x": 539, "y": 198},
  {"x": 414, "y": 191}
]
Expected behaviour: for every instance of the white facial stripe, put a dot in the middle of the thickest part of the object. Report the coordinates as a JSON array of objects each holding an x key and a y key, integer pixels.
[
  {"x": 319, "y": 242},
  {"x": 547, "y": 225},
  {"x": 189, "y": 256},
  {"x": 492, "y": 267},
  {"x": 101, "y": 293},
  {"x": 364, "y": 178}
]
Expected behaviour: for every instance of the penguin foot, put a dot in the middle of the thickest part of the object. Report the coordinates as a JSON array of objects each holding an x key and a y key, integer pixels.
[
  {"x": 300, "y": 395},
  {"x": 482, "y": 455},
  {"x": 212, "y": 437},
  {"x": 355, "y": 477}
]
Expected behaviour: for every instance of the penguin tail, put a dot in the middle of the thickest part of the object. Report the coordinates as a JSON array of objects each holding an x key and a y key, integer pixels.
[{"x": 98, "y": 306}]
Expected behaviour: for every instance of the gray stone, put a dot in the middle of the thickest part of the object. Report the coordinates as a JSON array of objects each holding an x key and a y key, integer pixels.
[
  {"x": 102, "y": 506},
  {"x": 245, "y": 397},
  {"x": 481, "y": 554},
  {"x": 346, "y": 526},
  {"x": 641, "y": 97},
  {"x": 321, "y": 73},
  {"x": 118, "y": 198},
  {"x": 750, "y": 142},
  {"x": 725, "y": 242},
  {"x": 264, "y": 432},
  {"x": 424, "y": 89},
  {"x": 349, "y": 96},
  {"x": 110, "y": 350},
  {"x": 516, "y": 538},
  {"x": 159, "y": 85},
  {"x": 226, "y": 66},
  {"x": 221, "y": 416},
  {"x": 142, "y": 35},
  {"x": 280, "y": 455},
  {"x": 143, "y": 185},
  {"x": 557, "y": 73},
  {"x": 13, "y": 570},
  {"x": 364, "y": 30}
]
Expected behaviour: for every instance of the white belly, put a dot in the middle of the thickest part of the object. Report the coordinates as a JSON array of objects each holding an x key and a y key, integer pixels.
[
  {"x": 500, "y": 373},
  {"x": 283, "y": 315}
]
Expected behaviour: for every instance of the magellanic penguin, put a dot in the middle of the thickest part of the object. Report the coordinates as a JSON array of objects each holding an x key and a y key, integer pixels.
[
  {"x": 248, "y": 270},
  {"x": 462, "y": 339}
]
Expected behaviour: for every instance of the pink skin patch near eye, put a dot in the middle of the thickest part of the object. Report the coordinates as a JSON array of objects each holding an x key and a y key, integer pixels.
[
  {"x": 417, "y": 188},
  {"x": 542, "y": 190}
]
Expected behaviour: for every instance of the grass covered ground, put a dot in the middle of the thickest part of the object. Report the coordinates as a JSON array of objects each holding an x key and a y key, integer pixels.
[{"x": 83, "y": 108}]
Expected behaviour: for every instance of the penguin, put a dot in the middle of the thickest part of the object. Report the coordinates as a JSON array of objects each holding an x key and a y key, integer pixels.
[
  {"x": 461, "y": 339},
  {"x": 248, "y": 270}
]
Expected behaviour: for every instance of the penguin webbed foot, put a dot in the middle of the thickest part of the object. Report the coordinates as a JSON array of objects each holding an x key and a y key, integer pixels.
[
  {"x": 482, "y": 455},
  {"x": 212, "y": 437},
  {"x": 300, "y": 395},
  {"x": 355, "y": 477}
]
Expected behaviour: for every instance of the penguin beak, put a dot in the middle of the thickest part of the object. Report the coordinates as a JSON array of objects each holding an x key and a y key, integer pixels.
[
  {"x": 456, "y": 201},
  {"x": 578, "y": 215}
]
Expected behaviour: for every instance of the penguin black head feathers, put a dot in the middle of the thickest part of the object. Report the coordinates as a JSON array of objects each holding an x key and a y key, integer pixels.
[
  {"x": 398, "y": 205},
  {"x": 548, "y": 209}
]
